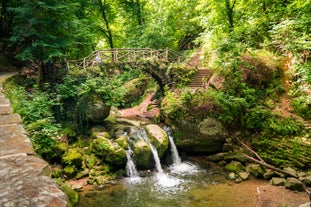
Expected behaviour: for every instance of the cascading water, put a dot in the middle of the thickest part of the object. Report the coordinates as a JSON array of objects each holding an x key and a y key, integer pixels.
[
  {"x": 175, "y": 155},
  {"x": 142, "y": 134},
  {"x": 131, "y": 170},
  {"x": 178, "y": 167}
]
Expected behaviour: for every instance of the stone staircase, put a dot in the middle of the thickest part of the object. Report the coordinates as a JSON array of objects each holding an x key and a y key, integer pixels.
[
  {"x": 197, "y": 82},
  {"x": 24, "y": 178}
]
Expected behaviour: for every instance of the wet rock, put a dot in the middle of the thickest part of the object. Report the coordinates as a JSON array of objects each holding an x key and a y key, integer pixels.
[
  {"x": 234, "y": 166},
  {"x": 255, "y": 169},
  {"x": 143, "y": 154},
  {"x": 277, "y": 181},
  {"x": 134, "y": 89},
  {"x": 158, "y": 137},
  {"x": 293, "y": 184}
]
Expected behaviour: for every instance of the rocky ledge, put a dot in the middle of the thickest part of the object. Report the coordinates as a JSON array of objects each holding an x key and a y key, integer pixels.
[{"x": 24, "y": 178}]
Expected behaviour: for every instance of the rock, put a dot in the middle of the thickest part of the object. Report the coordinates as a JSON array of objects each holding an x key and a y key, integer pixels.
[
  {"x": 143, "y": 154},
  {"x": 232, "y": 176},
  {"x": 234, "y": 166},
  {"x": 158, "y": 137},
  {"x": 73, "y": 157},
  {"x": 134, "y": 89},
  {"x": 255, "y": 169},
  {"x": 122, "y": 141},
  {"x": 96, "y": 110},
  {"x": 244, "y": 175},
  {"x": 200, "y": 137},
  {"x": 301, "y": 174},
  {"x": 109, "y": 151},
  {"x": 99, "y": 132},
  {"x": 269, "y": 174},
  {"x": 290, "y": 171},
  {"x": 70, "y": 171},
  {"x": 293, "y": 184},
  {"x": 306, "y": 180},
  {"x": 217, "y": 157},
  {"x": 25, "y": 182},
  {"x": 72, "y": 195},
  {"x": 277, "y": 181}
]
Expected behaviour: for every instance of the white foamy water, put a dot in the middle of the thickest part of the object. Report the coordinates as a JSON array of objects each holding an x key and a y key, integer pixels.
[{"x": 184, "y": 168}]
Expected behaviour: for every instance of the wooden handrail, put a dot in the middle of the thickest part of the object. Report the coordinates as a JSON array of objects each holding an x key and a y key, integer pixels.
[{"x": 126, "y": 55}]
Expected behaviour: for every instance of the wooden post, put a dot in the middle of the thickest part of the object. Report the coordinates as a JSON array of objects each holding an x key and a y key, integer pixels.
[
  {"x": 84, "y": 63},
  {"x": 166, "y": 54}
]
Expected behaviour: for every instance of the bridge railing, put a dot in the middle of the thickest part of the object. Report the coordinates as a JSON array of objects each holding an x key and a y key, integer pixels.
[{"x": 126, "y": 55}]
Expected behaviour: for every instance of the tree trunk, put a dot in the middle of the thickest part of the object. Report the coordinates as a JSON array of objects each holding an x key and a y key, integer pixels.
[{"x": 107, "y": 32}]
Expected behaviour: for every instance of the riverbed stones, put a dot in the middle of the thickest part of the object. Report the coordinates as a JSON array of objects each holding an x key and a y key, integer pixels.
[
  {"x": 255, "y": 169},
  {"x": 293, "y": 184},
  {"x": 290, "y": 171},
  {"x": 244, "y": 175},
  {"x": 234, "y": 166},
  {"x": 276, "y": 181}
]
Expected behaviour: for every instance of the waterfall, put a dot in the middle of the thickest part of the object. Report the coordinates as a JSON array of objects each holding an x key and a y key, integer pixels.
[
  {"x": 131, "y": 170},
  {"x": 142, "y": 134},
  {"x": 175, "y": 155}
]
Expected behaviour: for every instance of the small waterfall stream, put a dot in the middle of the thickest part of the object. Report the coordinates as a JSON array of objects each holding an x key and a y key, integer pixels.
[
  {"x": 131, "y": 170},
  {"x": 175, "y": 155},
  {"x": 142, "y": 134}
]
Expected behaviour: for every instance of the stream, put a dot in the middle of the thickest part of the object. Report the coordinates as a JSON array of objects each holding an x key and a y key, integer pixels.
[{"x": 193, "y": 184}]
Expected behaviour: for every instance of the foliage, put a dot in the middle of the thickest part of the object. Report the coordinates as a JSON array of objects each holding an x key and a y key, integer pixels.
[{"x": 36, "y": 111}]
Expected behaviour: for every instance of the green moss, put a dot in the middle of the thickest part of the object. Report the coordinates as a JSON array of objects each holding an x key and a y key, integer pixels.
[
  {"x": 73, "y": 196},
  {"x": 70, "y": 171},
  {"x": 73, "y": 157},
  {"x": 234, "y": 166}
]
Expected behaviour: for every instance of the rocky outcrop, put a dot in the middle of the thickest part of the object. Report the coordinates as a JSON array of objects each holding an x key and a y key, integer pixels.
[
  {"x": 96, "y": 110},
  {"x": 25, "y": 179},
  {"x": 205, "y": 137}
]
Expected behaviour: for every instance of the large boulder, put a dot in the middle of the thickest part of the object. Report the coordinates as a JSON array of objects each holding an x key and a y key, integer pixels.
[
  {"x": 109, "y": 151},
  {"x": 293, "y": 184},
  {"x": 158, "y": 137},
  {"x": 143, "y": 154},
  {"x": 96, "y": 110},
  {"x": 200, "y": 137}
]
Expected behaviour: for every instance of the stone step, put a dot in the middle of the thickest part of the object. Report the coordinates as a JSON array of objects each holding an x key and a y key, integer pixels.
[{"x": 6, "y": 110}]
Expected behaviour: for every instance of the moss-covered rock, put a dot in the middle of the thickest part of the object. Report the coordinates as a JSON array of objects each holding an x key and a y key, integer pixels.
[
  {"x": 158, "y": 137},
  {"x": 70, "y": 171},
  {"x": 96, "y": 110},
  {"x": 122, "y": 141},
  {"x": 199, "y": 137},
  {"x": 73, "y": 196},
  {"x": 143, "y": 154},
  {"x": 134, "y": 89},
  {"x": 293, "y": 184},
  {"x": 255, "y": 169},
  {"x": 109, "y": 151},
  {"x": 234, "y": 166},
  {"x": 73, "y": 157}
]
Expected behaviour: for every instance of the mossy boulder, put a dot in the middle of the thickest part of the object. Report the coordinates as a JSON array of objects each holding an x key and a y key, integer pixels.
[
  {"x": 134, "y": 89},
  {"x": 255, "y": 169},
  {"x": 158, "y": 137},
  {"x": 73, "y": 157},
  {"x": 96, "y": 110},
  {"x": 205, "y": 136},
  {"x": 293, "y": 184},
  {"x": 234, "y": 166},
  {"x": 108, "y": 151},
  {"x": 122, "y": 141},
  {"x": 143, "y": 154},
  {"x": 73, "y": 196},
  {"x": 70, "y": 171}
]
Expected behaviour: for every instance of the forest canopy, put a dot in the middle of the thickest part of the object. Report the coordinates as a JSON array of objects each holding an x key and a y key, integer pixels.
[{"x": 42, "y": 30}]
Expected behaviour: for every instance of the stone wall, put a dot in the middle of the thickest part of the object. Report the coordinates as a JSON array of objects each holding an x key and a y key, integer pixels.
[{"x": 24, "y": 178}]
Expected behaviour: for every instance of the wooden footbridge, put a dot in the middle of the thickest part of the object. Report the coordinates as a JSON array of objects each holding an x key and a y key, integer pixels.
[{"x": 126, "y": 56}]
